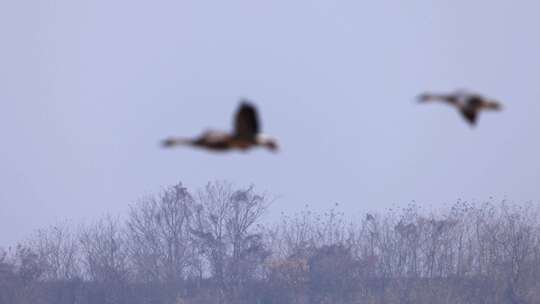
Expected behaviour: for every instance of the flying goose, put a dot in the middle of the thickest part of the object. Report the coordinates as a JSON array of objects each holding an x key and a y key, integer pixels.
[
  {"x": 468, "y": 104},
  {"x": 246, "y": 134}
]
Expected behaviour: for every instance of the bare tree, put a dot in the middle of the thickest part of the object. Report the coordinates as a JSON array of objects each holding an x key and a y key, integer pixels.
[
  {"x": 8, "y": 279},
  {"x": 57, "y": 248},
  {"x": 225, "y": 228},
  {"x": 105, "y": 259},
  {"x": 160, "y": 247},
  {"x": 212, "y": 248}
]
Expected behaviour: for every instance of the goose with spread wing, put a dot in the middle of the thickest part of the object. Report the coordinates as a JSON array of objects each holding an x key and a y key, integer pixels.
[
  {"x": 246, "y": 134},
  {"x": 468, "y": 104}
]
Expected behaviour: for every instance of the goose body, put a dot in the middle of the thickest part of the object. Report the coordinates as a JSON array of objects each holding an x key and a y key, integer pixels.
[
  {"x": 468, "y": 104},
  {"x": 246, "y": 134}
]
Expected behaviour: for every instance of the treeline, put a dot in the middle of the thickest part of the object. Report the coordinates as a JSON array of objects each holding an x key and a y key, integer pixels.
[{"x": 211, "y": 246}]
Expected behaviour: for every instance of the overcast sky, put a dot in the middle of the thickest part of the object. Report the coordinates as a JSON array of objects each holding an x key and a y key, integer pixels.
[{"x": 89, "y": 88}]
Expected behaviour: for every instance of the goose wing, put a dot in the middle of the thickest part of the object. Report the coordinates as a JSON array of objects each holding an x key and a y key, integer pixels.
[
  {"x": 246, "y": 124},
  {"x": 470, "y": 115}
]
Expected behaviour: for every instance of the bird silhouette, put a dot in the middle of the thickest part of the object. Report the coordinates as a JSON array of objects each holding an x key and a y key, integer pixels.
[
  {"x": 468, "y": 104},
  {"x": 246, "y": 134}
]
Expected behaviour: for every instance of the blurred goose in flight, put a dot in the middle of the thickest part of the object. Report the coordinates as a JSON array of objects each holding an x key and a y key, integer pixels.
[
  {"x": 246, "y": 134},
  {"x": 468, "y": 104}
]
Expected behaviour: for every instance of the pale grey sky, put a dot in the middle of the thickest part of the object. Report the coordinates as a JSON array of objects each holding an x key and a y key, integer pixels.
[{"x": 88, "y": 88}]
